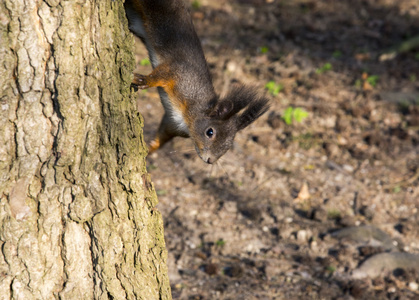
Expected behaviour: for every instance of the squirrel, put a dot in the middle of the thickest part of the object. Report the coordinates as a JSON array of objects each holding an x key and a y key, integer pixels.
[{"x": 181, "y": 74}]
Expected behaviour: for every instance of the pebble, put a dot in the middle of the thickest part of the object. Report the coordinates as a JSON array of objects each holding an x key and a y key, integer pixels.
[
  {"x": 413, "y": 286},
  {"x": 314, "y": 246},
  {"x": 302, "y": 235},
  {"x": 232, "y": 66},
  {"x": 384, "y": 262},
  {"x": 192, "y": 246},
  {"x": 288, "y": 220},
  {"x": 348, "y": 168},
  {"x": 365, "y": 235}
]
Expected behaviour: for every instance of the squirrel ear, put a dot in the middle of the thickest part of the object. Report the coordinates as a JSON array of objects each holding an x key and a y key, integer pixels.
[
  {"x": 223, "y": 110},
  {"x": 254, "y": 110}
]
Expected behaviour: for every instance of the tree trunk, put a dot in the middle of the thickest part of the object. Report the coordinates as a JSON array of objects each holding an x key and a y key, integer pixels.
[{"x": 77, "y": 216}]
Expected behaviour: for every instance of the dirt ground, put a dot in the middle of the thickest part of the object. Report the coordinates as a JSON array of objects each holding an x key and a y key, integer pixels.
[{"x": 293, "y": 210}]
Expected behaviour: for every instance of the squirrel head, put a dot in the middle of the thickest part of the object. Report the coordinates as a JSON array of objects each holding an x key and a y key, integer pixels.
[{"x": 214, "y": 132}]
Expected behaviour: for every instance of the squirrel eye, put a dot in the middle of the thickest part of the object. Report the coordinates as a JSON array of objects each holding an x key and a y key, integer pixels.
[{"x": 209, "y": 132}]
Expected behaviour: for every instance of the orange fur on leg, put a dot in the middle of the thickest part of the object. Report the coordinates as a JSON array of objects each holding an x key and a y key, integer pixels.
[{"x": 154, "y": 145}]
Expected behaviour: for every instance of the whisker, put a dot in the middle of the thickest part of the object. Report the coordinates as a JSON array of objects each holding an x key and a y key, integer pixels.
[
  {"x": 222, "y": 167},
  {"x": 229, "y": 156},
  {"x": 211, "y": 171},
  {"x": 229, "y": 159},
  {"x": 202, "y": 170},
  {"x": 259, "y": 186},
  {"x": 223, "y": 159},
  {"x": 187, "y": 150}
]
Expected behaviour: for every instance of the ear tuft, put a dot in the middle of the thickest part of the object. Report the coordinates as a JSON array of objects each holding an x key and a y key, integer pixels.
[
  {"x": 243, "y": 103},
  {"x": 247, "y": 105},
  {"x": 256, "y": 108}
]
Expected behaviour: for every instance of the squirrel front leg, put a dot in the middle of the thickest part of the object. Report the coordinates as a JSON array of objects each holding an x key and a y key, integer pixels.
[
  {"x": 168, "y": 129},
  {"x": 160, "y": 77}
]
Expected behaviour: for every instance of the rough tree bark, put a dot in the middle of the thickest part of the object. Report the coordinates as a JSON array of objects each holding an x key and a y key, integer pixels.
[{"x": 77, "y": 216}]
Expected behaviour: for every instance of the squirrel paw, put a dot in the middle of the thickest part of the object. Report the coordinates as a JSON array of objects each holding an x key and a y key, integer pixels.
[
  {"x": 154, "y": 145},
  {"x": 140, "y": 81}
]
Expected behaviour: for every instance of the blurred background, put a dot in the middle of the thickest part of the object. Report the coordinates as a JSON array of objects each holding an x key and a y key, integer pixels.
[{"x": 324, "y": 181}]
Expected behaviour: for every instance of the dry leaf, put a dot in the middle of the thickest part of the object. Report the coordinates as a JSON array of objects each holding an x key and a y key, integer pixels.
[{"x": 304, "y": 194}]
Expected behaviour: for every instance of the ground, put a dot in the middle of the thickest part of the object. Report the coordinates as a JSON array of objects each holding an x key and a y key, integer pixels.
[{"x": 268, "y": 221}]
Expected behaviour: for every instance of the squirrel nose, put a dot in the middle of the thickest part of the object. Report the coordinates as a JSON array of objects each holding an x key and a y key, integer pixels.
[{"x": 209, "y": 161}]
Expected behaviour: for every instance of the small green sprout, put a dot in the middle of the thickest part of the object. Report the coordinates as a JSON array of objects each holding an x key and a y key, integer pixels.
[
  {"x": 326, "y": 67},
  {"x": 161, "y": 192},
  {"x": 372, "y": 80},
  {"x": 333, "y": 214},
  {"x": 274, "y": 88},
  {"x": 331, "y": 269},
  {"x": 337, "y": 54},
  {"x": 196, "y": 4},
  {"x": 264, "y": 50},
  {"x": 145, "y": 62},
  {"x": 298, "y": 114},
  {"x": 220, "y": 243},
  {"x": 287, "y": 117},
  {"x": 397, "y": 189},
  {"x": 151, "y": 167}
]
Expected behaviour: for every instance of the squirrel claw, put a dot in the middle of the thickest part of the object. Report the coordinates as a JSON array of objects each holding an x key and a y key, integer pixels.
[
  {"x": 140, "y": 81},
  {"x": 154, "y": 145}
]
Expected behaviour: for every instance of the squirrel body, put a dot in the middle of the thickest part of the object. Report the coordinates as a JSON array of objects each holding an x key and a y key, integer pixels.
[{"x": 181, "y": 74}]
